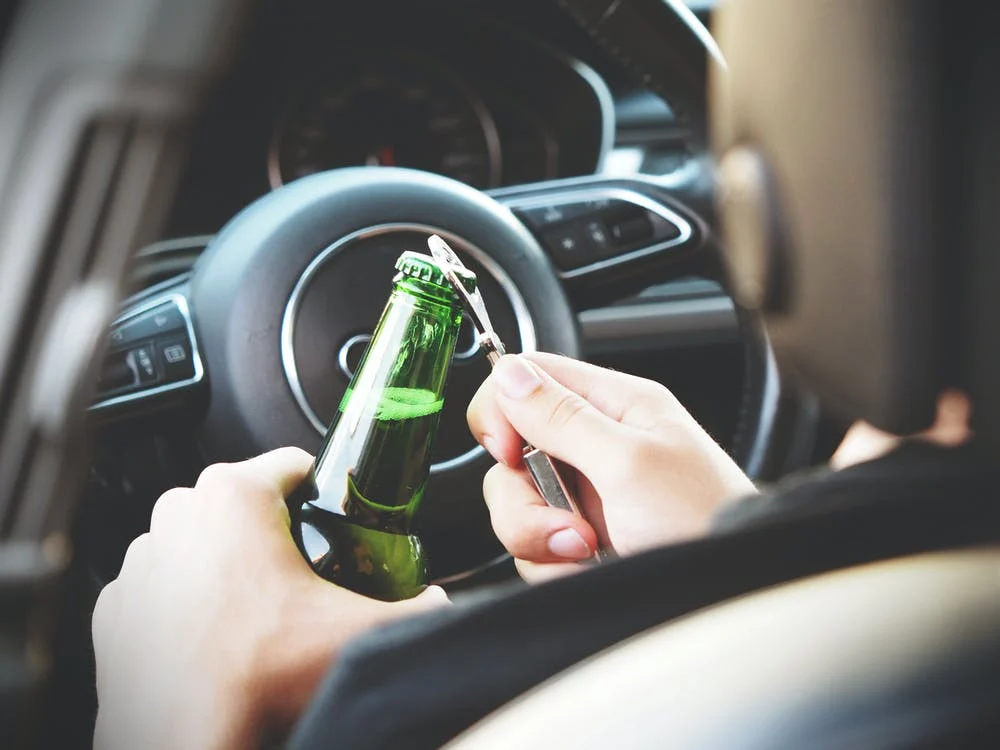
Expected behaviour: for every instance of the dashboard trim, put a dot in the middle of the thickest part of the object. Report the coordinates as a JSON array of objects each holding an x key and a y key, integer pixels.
[
  {"x": 605, "y": 101},
  {"x": 710, "y": 318},
  {"x": 180, "y": 300},
  {"x": 598, "y": 192},
  {"x": 602, "y": 92}
]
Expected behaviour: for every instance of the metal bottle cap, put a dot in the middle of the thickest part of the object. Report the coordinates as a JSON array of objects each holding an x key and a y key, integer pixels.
[{"x": 425, "y": 268}]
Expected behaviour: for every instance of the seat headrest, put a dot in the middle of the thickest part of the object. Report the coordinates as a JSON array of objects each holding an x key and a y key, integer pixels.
[{"x": 859, "y": 170}]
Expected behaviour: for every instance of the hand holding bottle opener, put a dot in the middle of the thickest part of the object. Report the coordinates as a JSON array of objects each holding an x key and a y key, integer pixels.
[{"x": 540, "y": 465}]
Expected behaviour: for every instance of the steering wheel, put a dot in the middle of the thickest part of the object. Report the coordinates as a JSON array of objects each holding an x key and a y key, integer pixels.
[{"x": 272, "y": 319}]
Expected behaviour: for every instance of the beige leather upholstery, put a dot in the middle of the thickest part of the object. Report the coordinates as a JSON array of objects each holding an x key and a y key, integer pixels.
[{"x": 790, "y": 662}]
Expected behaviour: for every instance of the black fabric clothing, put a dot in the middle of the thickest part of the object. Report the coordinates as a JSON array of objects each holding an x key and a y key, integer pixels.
[{"x": 419, "y": 683}]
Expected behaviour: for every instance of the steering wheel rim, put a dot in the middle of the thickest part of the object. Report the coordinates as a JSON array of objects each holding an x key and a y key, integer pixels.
[{"x": 271, "y": 292}]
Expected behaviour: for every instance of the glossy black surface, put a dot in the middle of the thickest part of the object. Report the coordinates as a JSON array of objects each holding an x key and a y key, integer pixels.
[{"x": 387, "y": 109}]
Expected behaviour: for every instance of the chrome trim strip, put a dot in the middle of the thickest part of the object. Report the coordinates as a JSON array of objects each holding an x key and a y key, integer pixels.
[
  {"x": 525, "y": 325},
  {"x": 472, "y": 349},
  {"x": 580, "y": 182},
  {"x": 177, "y": 243},
  {"x": 481, "y": 568},
  {"x": 345, "y": 350},
  {"x": 602, "y": 92},
  {"x": 199, "y": 369},
  {"x": 557, "y": 198},
  {"x": 714, "y": 316},
  {"x": 769, "y": 399},
  {"x": 172, "y": 283},
  {"x": 605, "y": 101}
]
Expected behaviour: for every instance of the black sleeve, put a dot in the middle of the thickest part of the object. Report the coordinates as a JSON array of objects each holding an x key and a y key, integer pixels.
[
  {"x": 419, "y": 683},
  {"x": 746, "y": 511}
]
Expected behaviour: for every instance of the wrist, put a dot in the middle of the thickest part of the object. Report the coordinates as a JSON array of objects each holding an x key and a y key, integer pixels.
[{"x": 310, "y": 628}]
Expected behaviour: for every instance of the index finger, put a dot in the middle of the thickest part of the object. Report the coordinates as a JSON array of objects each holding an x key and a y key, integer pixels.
[
  {"x": 283, "y": 469},
  {"x": 625, "y": 398}
]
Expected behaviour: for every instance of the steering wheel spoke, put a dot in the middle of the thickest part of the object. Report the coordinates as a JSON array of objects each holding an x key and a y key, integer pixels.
[
  {"x": 609, "y": 237},
  {"x": 152, "y": 360}
]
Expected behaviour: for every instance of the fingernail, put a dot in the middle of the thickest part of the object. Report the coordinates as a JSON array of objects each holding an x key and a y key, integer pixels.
[
  {"x": 569, "y": 544},
  {"x": 516, "y": 378},
  {"x": 491, "y": 447}
]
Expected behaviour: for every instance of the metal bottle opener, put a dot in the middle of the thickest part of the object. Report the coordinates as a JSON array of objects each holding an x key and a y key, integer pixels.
[{"x": 540, "y": 465}]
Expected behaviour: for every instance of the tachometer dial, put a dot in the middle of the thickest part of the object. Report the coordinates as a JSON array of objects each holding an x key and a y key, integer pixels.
[{"x": 390, "y": 111}]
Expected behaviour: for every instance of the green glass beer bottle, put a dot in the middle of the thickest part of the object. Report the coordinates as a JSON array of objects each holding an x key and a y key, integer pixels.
[{"x": 352, "y": 516}]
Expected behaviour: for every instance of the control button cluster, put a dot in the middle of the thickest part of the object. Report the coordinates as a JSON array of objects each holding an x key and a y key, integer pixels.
[
  {"x": 151, "y": 349},
  {"x": 578, "y": 232}
]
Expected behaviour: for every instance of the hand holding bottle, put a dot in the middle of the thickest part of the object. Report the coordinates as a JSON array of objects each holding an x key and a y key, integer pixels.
[
  {"x": 217, "y": 630},
  {"x": 646, "y": 473}
]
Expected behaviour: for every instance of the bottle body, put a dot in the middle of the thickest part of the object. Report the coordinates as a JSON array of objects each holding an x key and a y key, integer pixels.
[{"x": 352, "y": 517}]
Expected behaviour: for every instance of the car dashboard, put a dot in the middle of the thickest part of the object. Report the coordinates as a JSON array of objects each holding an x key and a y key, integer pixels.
[{"x": 492, "y": 94}]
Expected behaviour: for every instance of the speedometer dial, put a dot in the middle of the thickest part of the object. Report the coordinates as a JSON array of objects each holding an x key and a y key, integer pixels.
[{"x": 391, "y": 111}]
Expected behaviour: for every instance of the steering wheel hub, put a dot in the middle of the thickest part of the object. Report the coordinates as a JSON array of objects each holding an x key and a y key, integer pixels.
[{"x": 336, "y": 303}]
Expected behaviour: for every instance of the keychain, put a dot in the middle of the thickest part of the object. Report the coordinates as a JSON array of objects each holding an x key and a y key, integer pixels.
[{"x": 540, "y": 465}]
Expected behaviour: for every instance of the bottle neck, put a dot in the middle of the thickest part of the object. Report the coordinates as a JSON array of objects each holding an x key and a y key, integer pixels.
[
  {"x": 426, "y": 291},
  {"x": 376, "y": 458}
]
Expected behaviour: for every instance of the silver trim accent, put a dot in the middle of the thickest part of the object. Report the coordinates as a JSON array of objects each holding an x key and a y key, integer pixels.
[
  {"x": 769, "y": 399},
  {"x": 345, "y": 350},
  {"x": 602, "y": 92},
  {"x": 581, "y": 182},
  {"x": 199, "y": 369},
  {"x": 525, "y": 325},
  {"x": 605, "y": 101},
  {"x": 464, "y": 574},
  {"x": 472, "y": 349},
  {"x": 193, "y": 242},
  {"x": 608, "y": 193}
]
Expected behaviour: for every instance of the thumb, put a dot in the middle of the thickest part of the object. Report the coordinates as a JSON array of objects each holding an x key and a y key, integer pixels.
[{"x": 552, "y": 417}]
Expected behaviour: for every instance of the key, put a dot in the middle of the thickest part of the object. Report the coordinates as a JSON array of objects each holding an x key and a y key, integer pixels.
[{"x": 544, "y": 473}]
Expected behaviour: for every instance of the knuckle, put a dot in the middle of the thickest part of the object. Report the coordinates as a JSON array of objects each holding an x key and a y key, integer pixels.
[
  {"x": 216, "y": 474},
  {"x": 175, "y": 495},
  {"x": 657, "y": 391},
  {"x": 638, "y": 455},
  {"x": 167, "y": 504},
  {"x": 136, "y": 552},
  {"x": 296, "y": 454},
  {"x": 566, "y": 410},
  {"x": 100, "y": 622},
  {"x": 226, "y": 481},
  {"x": 103, "y": 599},
  {"x": 651, "y": 404}
]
